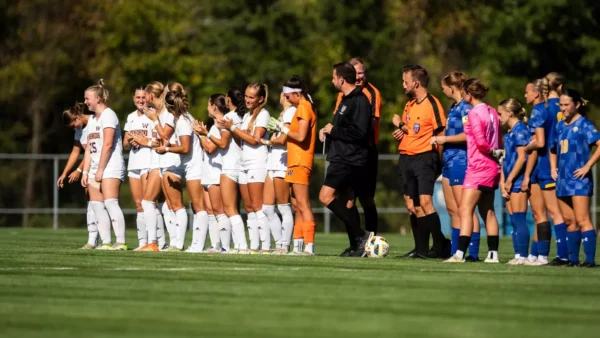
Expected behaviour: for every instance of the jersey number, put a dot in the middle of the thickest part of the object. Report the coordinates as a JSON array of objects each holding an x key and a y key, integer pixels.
[
  {"x": 93, "y": 149},
  {"x": 564, "y": 146}
]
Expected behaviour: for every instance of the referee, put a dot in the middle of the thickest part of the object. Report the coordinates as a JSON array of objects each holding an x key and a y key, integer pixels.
[
  {"x": 347, "y": 141},
  {"x": 422, "y": 119}
]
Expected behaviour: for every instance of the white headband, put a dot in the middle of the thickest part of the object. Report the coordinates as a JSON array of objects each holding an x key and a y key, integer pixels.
[{"x": 288, "y": 90}]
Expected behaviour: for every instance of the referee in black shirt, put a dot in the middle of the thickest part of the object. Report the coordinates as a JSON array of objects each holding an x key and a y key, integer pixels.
[{"x": 347, "y": 141}]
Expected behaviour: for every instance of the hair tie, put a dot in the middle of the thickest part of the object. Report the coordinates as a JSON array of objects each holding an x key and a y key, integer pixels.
[{"x": 584, "y": 102}]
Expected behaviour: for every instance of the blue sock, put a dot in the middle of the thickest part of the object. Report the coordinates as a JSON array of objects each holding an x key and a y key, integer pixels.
[
  {"x": 589, "y": 245},
  {"x": 455, "y": 236},
  {"x": 573, "y": 244},
  {"x": 560, "y": 232},
  {"x": 534, "y": 248},
  {"x": 514, "y": 235},
  {"x": 474, "y": 245},
  {"x": 522, "y": 233}
]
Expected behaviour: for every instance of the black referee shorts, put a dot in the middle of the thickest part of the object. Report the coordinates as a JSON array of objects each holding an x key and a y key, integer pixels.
[
  {"x": 422, "y": 170},
  {"x": 402, "y": 174},
  {"x": 343, "y": 177}
]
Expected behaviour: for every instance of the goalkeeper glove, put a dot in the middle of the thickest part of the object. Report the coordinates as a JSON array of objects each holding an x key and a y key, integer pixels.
[
  {"x": 497, "y": 154},
  {"x": 276, "y": 125}
]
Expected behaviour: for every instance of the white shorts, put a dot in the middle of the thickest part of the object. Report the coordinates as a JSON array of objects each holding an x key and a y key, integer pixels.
[
  {"x": 154, "y": 162},
  {"x": 277, "y": 173},
  {"x": 233, "y": 174},
  {"x": 252, "y": 176},
  {"x": 212, "y": 179},
  {"x": 120, "y": 174},
  {"x": 137, "y": 173},
  {"x": 193, "y": 173},
  {"x": 177, "y": 171}
]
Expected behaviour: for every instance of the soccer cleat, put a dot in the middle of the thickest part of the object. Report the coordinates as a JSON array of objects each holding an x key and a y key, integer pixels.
[
  {"x": 171, "y": 249},
  {"x": 472, "y": 259},
  {"x": 587, "y": 265},
  {"x": 362, "y": 243},
  {"x": 517, "y": 261},
  {"x": 307, "y": 253},
  {"x": 193, "y": 249},
  {"x": 558, "y": 262},
  {"x": 254, "y": 252},
  {"x": 139, "y": 248},
  {"x": 264, "y": 252},
  {"x": 88, "y": 246},
  {"x": 280, "y": 252},
  {"x": 454, "y": 259},
  {"x": 409, "y": 254},
  {"x": 572, "y": 264},
  {"x": 152, "y": 247},
  {"x": 105, "y": 247},
  {"x": 491, "y": 260},
  {"x": 120, "y": 247},
  {"x": 244, "y": 252},
  {"x": 233, "y": 251},
  {"x": 214, "y": 250},
  {"x": 164, "y": 247},
  {"x": 538, "y": 262},
  {"x": 348, "y": 252}
]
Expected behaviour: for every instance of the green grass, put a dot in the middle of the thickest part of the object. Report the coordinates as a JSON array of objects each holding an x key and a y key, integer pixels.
[{"x": 50, "y": 289}]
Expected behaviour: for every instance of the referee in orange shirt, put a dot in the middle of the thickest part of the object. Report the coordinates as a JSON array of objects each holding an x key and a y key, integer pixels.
[
  {"x": 422, "y": 119},
  {"x": 367, "y": 194}
]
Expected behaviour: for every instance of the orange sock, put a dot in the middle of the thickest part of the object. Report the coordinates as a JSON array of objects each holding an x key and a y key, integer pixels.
[
  {"x": 308, "y": 228},
  {"x": 298, "y": 233}
]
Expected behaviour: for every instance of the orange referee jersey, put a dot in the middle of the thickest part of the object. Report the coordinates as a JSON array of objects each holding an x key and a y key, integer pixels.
[
  {"x": 377, "y": 107},
  {"x": 302, "y": 153},
  {"x": 422, "y": 119}
]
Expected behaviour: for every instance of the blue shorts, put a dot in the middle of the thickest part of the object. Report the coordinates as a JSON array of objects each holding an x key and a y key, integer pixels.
[
  {"x": 516, "y": 187},
  {"x": 543, "y": 180},
  {"x": 533, "y": 179},
  {"x": 455, "y": 175}
]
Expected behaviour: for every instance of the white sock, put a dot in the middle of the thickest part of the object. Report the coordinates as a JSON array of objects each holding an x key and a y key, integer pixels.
[
  {"x": 310, "y": 247},
  {"x": 160, "y": 229},
  {"x": 141, "y": 229},
  {"x": 164, "y": 209},
  {"x": 517, "y": 256},
  {"x": 181, "y": 225},
  {"x": 117, "y": 218},
  {"x": 200, "y": 230},
  {"x": 253, "y": 231},
  {"x": 299, "y": 245},
  {"x": 492, "y": 254},
  {"x": 287, "y": 223},
  {"x": 150, "y": 220},
  {"x": 532, "y": 258},
  {"x": 213, "y": 231},
  {"x": 274, "y": 223},
  {"x": 263, "y": 229},
  {"x": 233, "y": 236},
  {"x": 460, "y": 254},
  {"x": 103, "y": 221},
  {"x": 224, "y": 231},
  {"x": 92, "y": 225},
  {"x": 237, "y": 227}
]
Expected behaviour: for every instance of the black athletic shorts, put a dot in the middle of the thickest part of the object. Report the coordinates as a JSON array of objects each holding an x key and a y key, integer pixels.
[
  {"x": 369, "y": 181},
  {"x": 422, "y": 170},
  {"x": 343, "y": 177},
  {"x": 402, "y": 174}
]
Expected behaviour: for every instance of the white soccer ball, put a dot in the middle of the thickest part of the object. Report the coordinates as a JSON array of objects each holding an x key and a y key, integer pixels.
[{"x": 377, "y": 247}]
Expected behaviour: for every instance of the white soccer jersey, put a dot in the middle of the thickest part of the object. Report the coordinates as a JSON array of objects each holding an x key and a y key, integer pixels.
[
  {"x": 254, "y": 156},
  {"x": 230, "y": 156},
  {"x": 183, "y": 127},
  {"x": 169, "y": 160},
  {"x": 108, "y": 119},
  {"x": 211, "y": 164},
  {"x": 278, "y": 153},
  {"x": 81, "y": 135},
  {"x": 139, "y": 124}
]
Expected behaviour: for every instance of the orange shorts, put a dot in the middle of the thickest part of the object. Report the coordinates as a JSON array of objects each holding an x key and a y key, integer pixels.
[{"x": 298, "y": 175}]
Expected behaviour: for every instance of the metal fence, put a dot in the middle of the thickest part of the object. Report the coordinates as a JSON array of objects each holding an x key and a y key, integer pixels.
[{"x": 390, "y": 203}]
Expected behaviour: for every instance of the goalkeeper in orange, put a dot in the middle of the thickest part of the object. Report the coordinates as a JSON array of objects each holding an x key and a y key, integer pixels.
[{"x": 301, "y": 134}]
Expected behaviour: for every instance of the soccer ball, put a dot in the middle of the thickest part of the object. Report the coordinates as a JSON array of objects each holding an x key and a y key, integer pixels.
[{"x": 377, "y": 247}]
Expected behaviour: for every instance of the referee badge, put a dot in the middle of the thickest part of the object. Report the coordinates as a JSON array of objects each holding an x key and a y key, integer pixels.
[{"x": 416, "y": 128}]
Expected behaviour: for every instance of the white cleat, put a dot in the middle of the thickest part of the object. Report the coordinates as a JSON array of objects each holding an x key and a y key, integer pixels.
[
  {"x": 537, "y": 262},
  {"x": 491, "y": 260},
  {"x": 517, "y": 261},
  {"x": 193, "y": 249},
  {"x": 454, "y": 259},
  {"x": 244, "y": 251},
  {"x": 214, "y": 249}
]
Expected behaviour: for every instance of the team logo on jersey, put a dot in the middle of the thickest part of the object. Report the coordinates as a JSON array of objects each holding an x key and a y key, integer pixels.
[
  {"x": 145, "y": 125},
  {"x": 575, "y": 129},
  {"x": 406, "y": 118},
  {"x": 416, "y": 128},
  {"x": 290, "y": 172},
  {"x": 342, "y": 110},
  {"x": 97, "y": 128}
]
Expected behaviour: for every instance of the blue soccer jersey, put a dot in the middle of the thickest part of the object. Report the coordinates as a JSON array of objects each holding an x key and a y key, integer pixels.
[
  {"x": 555, "y": 114},
  {"x": 455, "y": 154},
  {"x": 573, "y": 145},
  {"x": 518, "y": 136},
  {"x": 540, "y": 118}
]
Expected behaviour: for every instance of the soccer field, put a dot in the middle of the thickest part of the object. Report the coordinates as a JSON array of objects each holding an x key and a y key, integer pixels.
[{"x": 48, "y": 288}]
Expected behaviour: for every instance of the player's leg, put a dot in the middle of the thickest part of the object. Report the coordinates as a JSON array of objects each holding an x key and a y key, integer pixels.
[
  {"x": 367, "y": 197},
  {"x": 538, "y": 210},
  {"x": 488, "y": 213},
  {"x": 223, "y": 224},
  {"x": 426, "y": 175},
  {"x": 468, "y": 201},
  {"x": 200, "y": 221},
  {"x": 573, "y": 231},
  {"x": 110, "y": 190},
  {"x": 137, "y": 193},
  {"x": 452, "y": 208},
  {"x": 151, "y": 190},
  {"x": 560, "y": 228},
  {"x": 213, "y": 225},
  {"x": 229, "y": 194},
  {"x": 475, "y": 235},
  {"x": 255, "y": 193},
  {"x": 268, "y": 209},
  {"x": 92, "y": 225},
  {"x": 174, "y": 194},
  {"x": 97, "y": 203},
  {"x": 300, "y": 179},
  {"x": 251, "y": 221},
  {"x": 168, "y": 213},
  {"x": 282, "y": 197},
  {"x": 518, "y": 208},
  {"x": 581, "y": 208}
]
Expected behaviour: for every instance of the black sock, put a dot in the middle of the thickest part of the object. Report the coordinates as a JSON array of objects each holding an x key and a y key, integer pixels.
[
  {"x": 464, "y": 241},
  {"x": 493, "y": 243},
  {"x": 355, "y": 221},
  {"x": 344, "y": 214},
  {"x": 415, "y": 231},
  {"x": 435, "y": 226},
  {"x": 371, "y": 218},
  {"x": 423, "y": 240}
]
